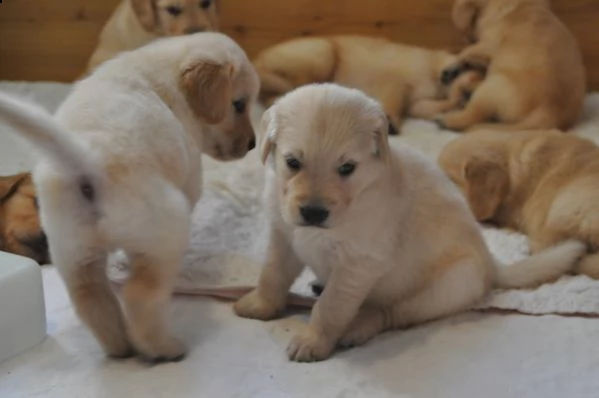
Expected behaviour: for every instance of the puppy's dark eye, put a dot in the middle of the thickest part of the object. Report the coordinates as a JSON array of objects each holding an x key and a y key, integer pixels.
[
  {"x": 239, "y": 106},
  {"x": 174, "y": 10},
  {"x": 293, "y": 163},
  {"x": 347, "y": 169},
  {"x": 204, "y": 4}
]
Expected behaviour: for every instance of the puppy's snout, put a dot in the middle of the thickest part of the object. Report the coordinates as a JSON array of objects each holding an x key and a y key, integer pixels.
[
  {"x": 252, "y": 144},
  {"x": 314, "y": 214},
  {"x": 194, "y": 29}
]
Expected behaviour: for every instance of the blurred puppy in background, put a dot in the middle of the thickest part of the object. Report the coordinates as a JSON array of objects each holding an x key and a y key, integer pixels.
[
  {"x": 542, "y": 183},
  {"x": 535, "y": 74},
  {"x": 20, "y": 229},
  {"x": 135, "y": 23},
  {"x": 404, "y": 79}
]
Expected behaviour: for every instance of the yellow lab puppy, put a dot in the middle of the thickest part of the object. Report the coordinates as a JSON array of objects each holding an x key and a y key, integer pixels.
[
  {"x": 135, "y": 23},
  {"x": 545, "y": 184},
  {"x": 387, "y": 232},
  {"x": 122, "y": 170},
  {"x": 535, "y": 77},
  {"x": 399, "y": 76}
]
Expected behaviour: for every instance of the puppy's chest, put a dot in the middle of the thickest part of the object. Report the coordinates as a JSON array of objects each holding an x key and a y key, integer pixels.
[{"x": 317, "y": 250}]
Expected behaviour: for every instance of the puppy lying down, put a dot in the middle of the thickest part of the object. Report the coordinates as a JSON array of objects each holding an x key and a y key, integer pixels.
[
  {"x": 405, "y": 79},
  {"x": 542, "y": 183},
  {"x": 121, "y": 169},
  {"x": 387, "y": 232}
]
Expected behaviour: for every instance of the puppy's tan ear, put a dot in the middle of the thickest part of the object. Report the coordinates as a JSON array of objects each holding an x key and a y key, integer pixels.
[
  {"x": 465, "y": 14},
  {"x": 208, "y": 88},
  {"x": 145, "y": 10},
  {"x": 10, "y": 184},
  {"x": 381, "y": 139},
  {"x": 487, "y": 186},
  {"x": 267, "y": 134}
]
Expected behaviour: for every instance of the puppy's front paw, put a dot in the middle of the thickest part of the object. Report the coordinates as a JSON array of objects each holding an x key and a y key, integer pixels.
[
  {"x": 254, "y": 306},
  {"x": 309, "y": 347},
  {"x": 171, "y": 350}
]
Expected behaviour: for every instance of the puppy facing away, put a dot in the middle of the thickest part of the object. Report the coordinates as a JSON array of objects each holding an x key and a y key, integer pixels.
[
  {"x": 535, "y": 73},
  {"x": 387, "y": 232},
  {"x": 122, "y": 170},
  {"x": 20, "y": 229},
  {"x": 135, "y": 23},
  {"x": 545, "y": 184},
  {"x": 397, "y": 75}
]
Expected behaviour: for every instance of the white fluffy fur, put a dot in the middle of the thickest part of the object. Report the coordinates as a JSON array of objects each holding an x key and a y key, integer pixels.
[{"x": 121, "y": 169}]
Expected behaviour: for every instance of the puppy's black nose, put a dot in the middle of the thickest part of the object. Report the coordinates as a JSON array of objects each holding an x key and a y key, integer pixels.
[
  {"x": 314, "y": 215},
  {"x": 193, "y": 29},
  {"x": 251, "y": 144}
]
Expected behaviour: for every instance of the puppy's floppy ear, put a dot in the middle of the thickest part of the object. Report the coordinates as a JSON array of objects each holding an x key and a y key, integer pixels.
[
  {"x": 465, "y": 14},
  {"x": 208, "y": 88},
  {"x": 488, "y": 185},
  {"x": 267, "y": 134},
  {"x": 145, "y": 10},
  {"x": 381, "y": 139},
  {"x": 10, "y": 184}
]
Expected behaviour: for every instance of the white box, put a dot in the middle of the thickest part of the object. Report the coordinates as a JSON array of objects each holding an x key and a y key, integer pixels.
[{"x": 22, "y": 310}]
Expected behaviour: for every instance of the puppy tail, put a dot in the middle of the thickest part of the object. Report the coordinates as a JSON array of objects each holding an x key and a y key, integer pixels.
[
  {"x": 545, "y": 266},
  {"x": 38, "y": 127}
]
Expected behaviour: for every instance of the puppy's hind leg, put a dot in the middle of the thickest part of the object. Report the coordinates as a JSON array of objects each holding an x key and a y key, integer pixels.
[
  {"x": 155, "y": 247},
  {"x": 453, "y": 290},
  {"x": 79, "y": 254}
]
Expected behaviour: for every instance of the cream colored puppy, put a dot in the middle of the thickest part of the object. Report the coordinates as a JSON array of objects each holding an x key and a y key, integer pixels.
[
  {"x": 385, "y": 229},
  {"x": 122, "y": 170},
  {"x": 135, "y": 23}
]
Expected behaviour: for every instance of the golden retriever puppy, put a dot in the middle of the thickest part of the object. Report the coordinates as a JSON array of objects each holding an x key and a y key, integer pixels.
[
  {"x": 135, "y": 23},
  {"x": 542, "y": 183},
  {"x": 397, "y": 75},
  {"x": 387, "y": 232},
  {"x": 122, "y": 170},
  {"x": 535, "y": 73},
  {"x": 20, "y": 229}
]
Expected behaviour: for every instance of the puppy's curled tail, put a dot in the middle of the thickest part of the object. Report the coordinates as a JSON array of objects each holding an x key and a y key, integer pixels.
[
  {"x": 545, "y": 266},
  {"x": 38, "y": 127}
]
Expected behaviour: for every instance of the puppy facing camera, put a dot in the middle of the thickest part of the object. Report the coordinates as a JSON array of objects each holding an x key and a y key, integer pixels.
[{"x": 383, "y": 228}]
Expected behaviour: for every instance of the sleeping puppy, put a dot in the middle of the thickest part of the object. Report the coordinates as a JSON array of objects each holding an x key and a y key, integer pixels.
[
  {"x": 386, "y": 231},
  {"x": 20, "y": 229},
  {"x": 542, "y": 183},
  {"x": 135, "y": 23},
  {"x": 535, "y": 73},
  {"x": 399, "y": 76},
  {"x": 122, "y": 170}
]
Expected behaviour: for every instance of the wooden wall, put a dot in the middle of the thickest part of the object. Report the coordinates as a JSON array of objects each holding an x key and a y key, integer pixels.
[{"x": 52, "y": 39}]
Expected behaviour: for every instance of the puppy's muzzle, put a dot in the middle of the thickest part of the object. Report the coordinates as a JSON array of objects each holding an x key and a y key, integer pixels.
[{"x": 314, "y": 215}]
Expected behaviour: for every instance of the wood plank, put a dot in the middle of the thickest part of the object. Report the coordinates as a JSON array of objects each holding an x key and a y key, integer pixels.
[{"x": 52, "y": 39}]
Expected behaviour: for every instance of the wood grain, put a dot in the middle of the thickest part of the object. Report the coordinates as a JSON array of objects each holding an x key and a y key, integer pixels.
[{"x": 52, "y": 39}]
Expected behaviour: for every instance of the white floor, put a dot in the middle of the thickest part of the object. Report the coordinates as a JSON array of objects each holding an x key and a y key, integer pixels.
[{"x": 473, "y": 355}]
